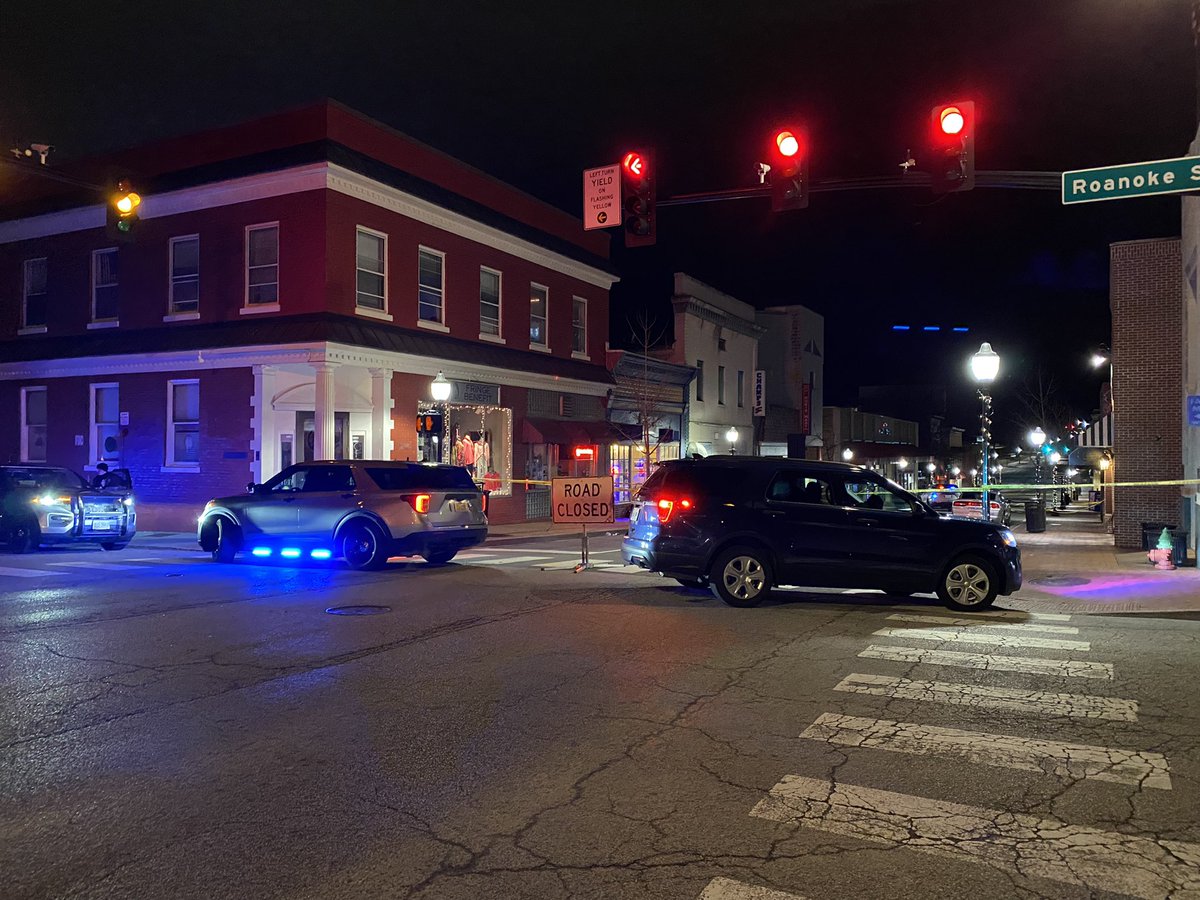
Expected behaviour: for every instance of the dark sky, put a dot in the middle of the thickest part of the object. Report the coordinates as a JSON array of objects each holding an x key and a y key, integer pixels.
[{"x": 534, "y": 92}]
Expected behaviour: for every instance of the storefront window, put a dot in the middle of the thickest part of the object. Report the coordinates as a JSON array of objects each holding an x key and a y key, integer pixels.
[
  {"x": 541, "y": 465},
  {"x": 478, "y": 438},
  {"x": 630, "y": 468}
]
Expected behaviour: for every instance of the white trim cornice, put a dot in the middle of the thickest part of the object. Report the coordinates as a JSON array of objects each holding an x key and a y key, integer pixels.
[
  {"x": 316, "y": 352},
  {"x": 298, "y": 179}
]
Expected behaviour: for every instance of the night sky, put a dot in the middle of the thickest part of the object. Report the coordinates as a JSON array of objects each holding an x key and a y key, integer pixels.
[{"x": 533, "y": 93}]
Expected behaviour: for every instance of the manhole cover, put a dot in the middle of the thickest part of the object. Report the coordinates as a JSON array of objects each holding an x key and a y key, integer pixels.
[
  {"x": 364, "y": 610},
  {"x": 1061, "y": 580}
]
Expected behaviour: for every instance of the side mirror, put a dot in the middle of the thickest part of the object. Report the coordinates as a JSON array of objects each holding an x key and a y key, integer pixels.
[{"x": 251, "y": 487}]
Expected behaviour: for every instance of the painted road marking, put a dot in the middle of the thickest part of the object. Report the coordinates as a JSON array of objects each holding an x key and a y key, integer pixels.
[
  {"x": 27, "y": 573},
  {"x": 490, "y": 550},
  {"x": 505, "y": 561},
  {"x": 977, "y": 747},
  {"x": 975, "y": 623},
  {"x": 79, "y": 564},
  {"x": 981, "y": 637},
  {"x": 1038, "y": 703},
  {"x": 1019, "y": 615},
  {"x": 1046, "y": 848},
  {"x": 728, "y": 889},
  {"x": 1063, "y": 668}
]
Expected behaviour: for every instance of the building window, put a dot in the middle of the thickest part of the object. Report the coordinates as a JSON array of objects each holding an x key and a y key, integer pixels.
[
  {"x": 539, "y": 302},
  {"x": 105, "y": 305},
  {"x": 104, "y": 431},
  {"x": 431, "y": 286},
  {"x": 185, "y": 274},
  {"x": 262, "y": 265},
  {"x": 489, "y": 302},
  {"x": 183, "y": 423},
  {"x": 33, "y": 424},
  {"x": 579, "y": 326},
  {"x": 371, "y": 250},
  {"x": 721, "y": 385},
  {"x": 35, "y": 293},
  {"x": 700, "y": 380},
  {"x": 741, "y": 389}
]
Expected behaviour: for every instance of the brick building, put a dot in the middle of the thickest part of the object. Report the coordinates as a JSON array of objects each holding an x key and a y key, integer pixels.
[
  {"x": 1147, "y": 387},
  {"x": 295, "y": 284}
]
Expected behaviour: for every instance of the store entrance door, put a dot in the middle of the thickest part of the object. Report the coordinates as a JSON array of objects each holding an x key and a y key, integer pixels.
[{"x": 306, "y": 428}]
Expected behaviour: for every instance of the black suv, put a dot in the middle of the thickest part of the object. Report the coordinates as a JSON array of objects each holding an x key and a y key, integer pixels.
[{"x": 745, "y": 524}]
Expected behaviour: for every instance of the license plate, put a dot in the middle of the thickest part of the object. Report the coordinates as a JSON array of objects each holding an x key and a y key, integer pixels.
[
  {"x": 633, "y": 515},
  {"x": 460, "y": 506},
  {"x": 101, "y": 524}
]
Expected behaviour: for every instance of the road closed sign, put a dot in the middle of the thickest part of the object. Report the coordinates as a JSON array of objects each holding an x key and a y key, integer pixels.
[{"x": 587, "y": 501}]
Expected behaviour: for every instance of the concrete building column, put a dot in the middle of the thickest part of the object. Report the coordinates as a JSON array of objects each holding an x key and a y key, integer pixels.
[
  {"x": 323, "y": 443},
  {"x": 381, "y": 414},
  {"x": 263, "y": 425}
]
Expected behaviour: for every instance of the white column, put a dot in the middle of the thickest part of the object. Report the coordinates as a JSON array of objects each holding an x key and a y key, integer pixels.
[
  {"x": 323, "y": 410},
  {"x": 381, "y": 414},
  {"x": 265, "y": 442}
]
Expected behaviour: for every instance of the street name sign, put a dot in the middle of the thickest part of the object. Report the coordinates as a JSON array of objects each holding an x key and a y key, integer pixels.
[
  {"x": 1144, "y": 179},
  {"x": 601, "y": 197},
  {"x": 582, "y": 500}
]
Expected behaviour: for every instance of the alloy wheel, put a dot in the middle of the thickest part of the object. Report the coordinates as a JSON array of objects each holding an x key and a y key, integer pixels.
[
  {"x": 360, "y": 547},
  {"x": 744, "y": 577},
  {"x": 967, "y": 584}
]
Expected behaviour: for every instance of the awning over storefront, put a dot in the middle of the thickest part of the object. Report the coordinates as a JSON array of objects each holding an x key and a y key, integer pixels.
[{"x": 558, "y": 431}]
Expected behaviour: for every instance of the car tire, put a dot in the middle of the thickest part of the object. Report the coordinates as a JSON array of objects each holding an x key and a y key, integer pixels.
[
  {"x": 741, "y": 576},
  {"x": 362, "y": 547},
  {"x": 439, "y": 557},
  {"x": 114, "y": 545},
  {"x": 25, "y": 537},
  {"x": 700, "y": 583},
  {"x": 228, "y": 541},
  {"x": 968, "y": 584}
]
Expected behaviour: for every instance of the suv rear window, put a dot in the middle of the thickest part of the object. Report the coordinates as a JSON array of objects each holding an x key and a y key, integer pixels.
[
  {"x": 702, "y": 481},
  {"x": 422, "y": 478}
]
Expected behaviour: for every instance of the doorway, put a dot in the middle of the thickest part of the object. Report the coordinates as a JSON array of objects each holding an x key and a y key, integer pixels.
[{"x": 306, "y": 428}]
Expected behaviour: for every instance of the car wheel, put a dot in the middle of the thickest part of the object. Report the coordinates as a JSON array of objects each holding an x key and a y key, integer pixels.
[
  {"x": 969, "y": 583},
  {"x": 362, "y": 547},
  {"x": 693, "y": 582},
  {"x": 741, "y": 576},
  {"x": 114, "y": 545},
  {"x": 228, "y": 540},
  {"x": 24, "y": 537},
  {"x": 439, "y": 557}
]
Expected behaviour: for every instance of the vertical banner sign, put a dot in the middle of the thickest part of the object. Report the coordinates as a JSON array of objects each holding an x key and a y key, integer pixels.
[
  {"x": 760, "y": 392},
  {"x": 806, "y": 409},
  {"x": 601, "y": 197}
]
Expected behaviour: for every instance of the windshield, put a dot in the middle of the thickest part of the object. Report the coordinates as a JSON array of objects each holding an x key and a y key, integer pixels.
[{"x": 16, "y": 477}]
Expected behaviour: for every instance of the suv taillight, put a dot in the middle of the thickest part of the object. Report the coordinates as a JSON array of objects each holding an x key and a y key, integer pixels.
[
  {"x": 485, "y": 502},
  {"x": 419, "y": 502},
  {"x": 667, "y": 507}
]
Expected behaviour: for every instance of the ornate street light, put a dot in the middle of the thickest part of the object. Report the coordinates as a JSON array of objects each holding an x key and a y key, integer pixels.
[
  {"x": 985, "y": 366},
  {"x": 440, "y": 388},
  {"x": 732, "y": 435},
  {"x": 847, "y": 454}
]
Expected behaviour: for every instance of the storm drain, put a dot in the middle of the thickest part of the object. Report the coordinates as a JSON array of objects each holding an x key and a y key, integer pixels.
[
  {"x": 362, "y": 610},
  {"x": 1061, "y": 580}
]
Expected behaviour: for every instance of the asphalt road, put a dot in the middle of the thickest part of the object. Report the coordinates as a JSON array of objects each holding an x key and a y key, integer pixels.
[{"x": 504, "y": 727}]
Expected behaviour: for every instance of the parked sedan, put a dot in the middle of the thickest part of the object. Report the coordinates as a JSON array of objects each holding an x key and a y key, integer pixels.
[
  {"x": 363, "y": 511},
  {"x": 52, "y": 505},
  {"x": 742, "y": 525},
  {"x": 971, "y": 507}
]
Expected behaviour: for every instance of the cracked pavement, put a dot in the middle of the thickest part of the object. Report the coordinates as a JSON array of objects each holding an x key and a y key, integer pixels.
[{"x": 208, "y": 731}]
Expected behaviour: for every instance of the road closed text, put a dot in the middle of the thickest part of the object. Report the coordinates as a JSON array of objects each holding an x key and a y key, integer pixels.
[{"x": 582, "y": 500}]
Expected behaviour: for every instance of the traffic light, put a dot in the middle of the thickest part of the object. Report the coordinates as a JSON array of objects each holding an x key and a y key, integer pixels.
[
  {"x": 122, "y": 212},
  {"x": 952, "y": 147},
  {"x": 637, "y": 198},
  {"x": 788, "y": 155}
]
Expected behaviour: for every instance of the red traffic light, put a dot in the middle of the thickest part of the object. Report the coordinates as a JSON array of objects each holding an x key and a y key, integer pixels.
[
  {"x": 635, "y": 164},
  {"x": 951, "y": 120},
  {"x": 787, "y": 143}
]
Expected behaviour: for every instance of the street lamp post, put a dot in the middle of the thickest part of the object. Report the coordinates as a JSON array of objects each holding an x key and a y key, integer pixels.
[
  {"x": 1037, "y": 438},
  {"x": 732, "y": 435},
  {"x": 985, "y": 366}
]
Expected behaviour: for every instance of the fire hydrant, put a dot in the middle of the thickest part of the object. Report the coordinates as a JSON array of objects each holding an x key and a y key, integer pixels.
[{"x": 1162, "y": 553}]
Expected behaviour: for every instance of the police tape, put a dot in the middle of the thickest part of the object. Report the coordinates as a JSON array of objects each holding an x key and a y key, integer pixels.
[{"x": 1069, "y": 486}]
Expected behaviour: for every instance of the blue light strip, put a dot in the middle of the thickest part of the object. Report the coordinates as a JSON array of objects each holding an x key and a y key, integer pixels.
[
  {"x": 932, "y": 328},
  {"x": 289, "y": 552},
  {"x": 901, "y": 328},
  {"x": 261, "y": 551},
  {"x": 321, "y": 554},
  {"x": 961, "y": 328}
]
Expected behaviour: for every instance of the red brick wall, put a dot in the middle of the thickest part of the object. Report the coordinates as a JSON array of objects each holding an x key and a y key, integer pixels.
[{"x": 1147, "y": 318}]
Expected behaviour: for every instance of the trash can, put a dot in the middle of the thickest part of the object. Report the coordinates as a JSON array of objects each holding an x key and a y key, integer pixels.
[
  {"x": 1035, "y": 517},
  {"x": 1179, "y": 548},
  {"x": 1151, "y": 531}
]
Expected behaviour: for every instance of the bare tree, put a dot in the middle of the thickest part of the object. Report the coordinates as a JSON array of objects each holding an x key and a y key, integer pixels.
[
  {"x": 1040, "y": 402},
  {"x": 647, "y": 395}
]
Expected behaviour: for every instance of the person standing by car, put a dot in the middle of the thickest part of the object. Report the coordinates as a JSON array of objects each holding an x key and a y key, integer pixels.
[{"x": 100, "y": 479}]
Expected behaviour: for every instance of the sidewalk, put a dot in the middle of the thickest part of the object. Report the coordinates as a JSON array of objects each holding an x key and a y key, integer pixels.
[{"x": 1073, "y": 567}]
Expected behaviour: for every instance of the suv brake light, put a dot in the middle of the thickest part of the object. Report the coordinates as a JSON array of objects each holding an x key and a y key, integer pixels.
[
  {"x": 666, "y": 508},
  {"x": 485, "y": 502},
  {"x": 420, "y": 502}
]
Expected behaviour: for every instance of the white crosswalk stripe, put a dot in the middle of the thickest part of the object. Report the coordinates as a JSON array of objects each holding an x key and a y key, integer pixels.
[
  {"x": 979, "y": 748},
  {"x": 982, "y": 637},
  {"x": 1046, "y": 848},
  {"x": 502, "y": 561},
  {"x": 1027, "y": 665},
  {"x": 26, "y": 573},
  {"x": 1017, "y": 614},
  {"x": 1079, "y": 706},
  {"x": 99, "y": 566},
  {"x": 975, "y": 623},
  {"x": 728, "y": 889}
]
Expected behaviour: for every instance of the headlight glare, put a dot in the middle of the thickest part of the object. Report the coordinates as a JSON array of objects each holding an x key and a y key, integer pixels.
[{"x": 1008, "y": 537}]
